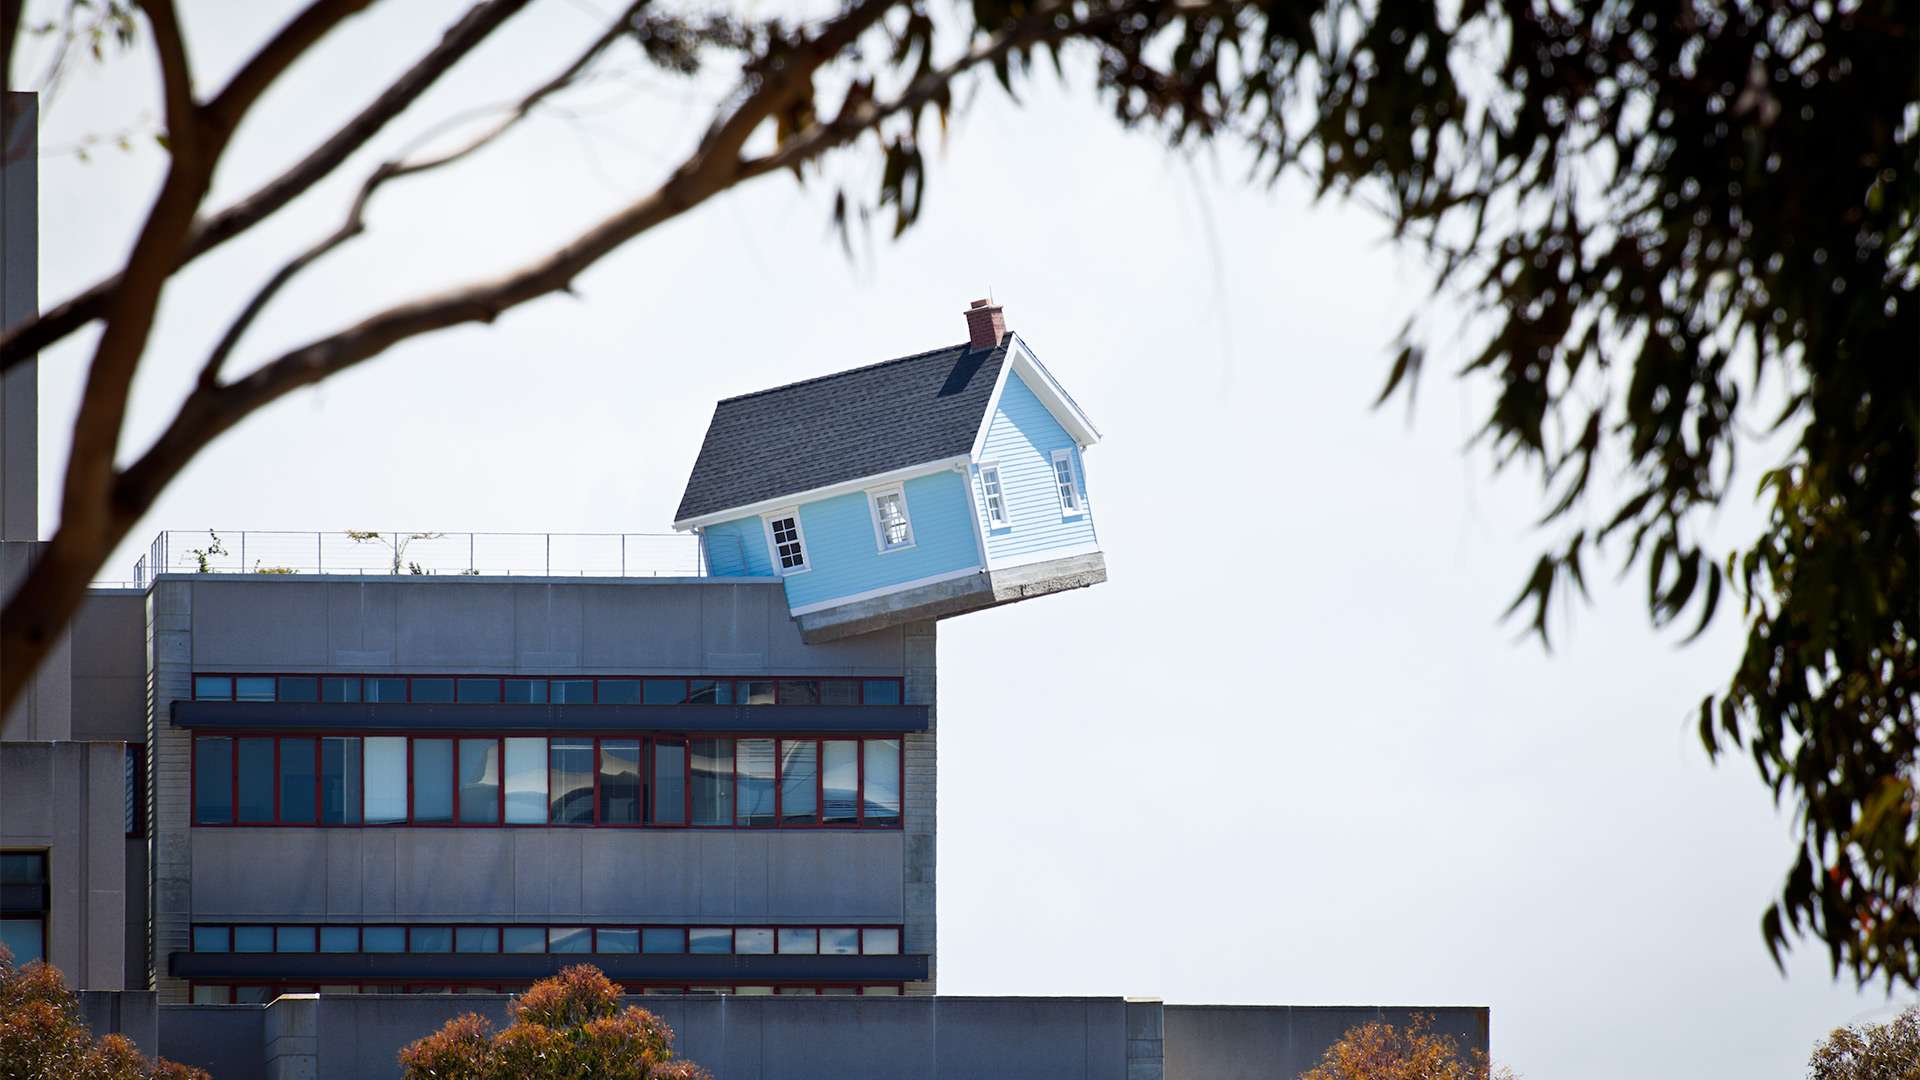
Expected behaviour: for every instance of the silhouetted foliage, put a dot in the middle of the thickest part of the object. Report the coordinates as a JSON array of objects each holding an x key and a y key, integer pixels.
[
  {"x": 43, "y": 1037},
  {"x": 569, "y": 1027},
  {"x": 1889, "y": 1051},
  {"x": 1380, "y": 1051},
  {"x": 1665, "y": 226}
]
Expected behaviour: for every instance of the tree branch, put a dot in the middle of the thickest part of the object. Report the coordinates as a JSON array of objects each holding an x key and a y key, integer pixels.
[
  {"x": 275, "y": 57},
  {"x": 26, "y": 338}
]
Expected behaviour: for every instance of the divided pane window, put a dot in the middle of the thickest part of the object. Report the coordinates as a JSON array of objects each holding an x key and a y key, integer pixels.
[
  {"x": 756, "y": 692},
  {"x": 526, "y": 781},
  {"x": 569, "y": 939},
  {"x": 339, "y": 689},
  {"x": 432, "y": 781},
  {"x": 799, "y": 691},
  {"x": 788, "y": 549},
  {"x": 386, "y": 779},
  {"x": 839, "y": 692},
  {"x": 712, "y": 781},
  {"x": 213, "y": 780},
  {"x": 840, "y": 781},
  {"x": 572, "y": 691},
  {"x": 255, "y": 800},
  {"x": 386, "y": 690},
  {"x": 882, "y": 776},
  {"x": 755, "y": 764},
  {"x": 890, "y": 516},
  {"x": 996, "y": 499},
  {"x": 620, "y": 791},
  {"x": 710, "y": 692},
  {"x": 1064, "y": 481},
  {"x": 570, "y": 781},
  {"x": 799, "y": 779},
  {"x": 669, "y": 783},
  {"x": 479, "y": 781},
  {"x": 253, "y": 688},
  {"x": 340, "y": 781},
  {"x": 297, "y": 780}
]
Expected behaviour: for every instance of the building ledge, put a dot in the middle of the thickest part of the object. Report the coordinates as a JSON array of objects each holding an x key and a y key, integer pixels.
[{"x": 955, "y": 596}]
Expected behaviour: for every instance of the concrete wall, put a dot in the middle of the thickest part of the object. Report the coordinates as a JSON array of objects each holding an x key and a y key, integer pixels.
[
  {"x": 1279, "y": 1042},
  {"x": 486, "y": 625},
  {"x": 68, "y": 799},
  {"x": 109, "y": 666}
]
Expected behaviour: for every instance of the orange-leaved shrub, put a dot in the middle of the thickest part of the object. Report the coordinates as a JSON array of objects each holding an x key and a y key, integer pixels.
[
  {"x": 1380, "y": 1051},
  {"x": 42, "y": 1035},
  {"x": 567, "y": 1027}
]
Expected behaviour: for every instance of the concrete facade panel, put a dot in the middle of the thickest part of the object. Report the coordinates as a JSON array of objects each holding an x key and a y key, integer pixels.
[
  {"x": 361, "y": 623},
  {"x": 68, "y": 799},
  {"x": 468, "y": 628},
  {"x": 242, "y": 625},
  {"x": 259, "y": 873},
  {"x": 547, "y": 627},
  {"x": 648, "y": 629},
  {"x": 109, "y": 667}
]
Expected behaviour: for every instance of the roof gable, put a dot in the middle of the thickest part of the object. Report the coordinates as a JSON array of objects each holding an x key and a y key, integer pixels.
[{"x": 881, "y": 418}]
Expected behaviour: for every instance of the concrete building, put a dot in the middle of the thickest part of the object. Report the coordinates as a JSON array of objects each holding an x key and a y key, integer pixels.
[{"x": 293, "y": 800}]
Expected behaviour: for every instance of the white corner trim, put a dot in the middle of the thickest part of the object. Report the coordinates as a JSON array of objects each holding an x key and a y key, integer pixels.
[
  {"x": 785, "y": 501},
  {"x": 854, "y": 598}
]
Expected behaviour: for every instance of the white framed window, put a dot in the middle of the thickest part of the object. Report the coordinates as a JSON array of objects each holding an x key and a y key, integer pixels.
[
  {"x": 892, "y": 529},
  {"x": 1067, "y": 480},
  {"x": 996, "y": 497},
  {"x": 786, "y": 541}
]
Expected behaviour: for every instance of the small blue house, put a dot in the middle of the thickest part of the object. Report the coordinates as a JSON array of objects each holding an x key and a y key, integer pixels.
[{"x": 922, "y": 487}]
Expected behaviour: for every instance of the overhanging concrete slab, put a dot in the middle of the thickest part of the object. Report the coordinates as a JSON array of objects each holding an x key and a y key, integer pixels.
[{"x": 955, "y": 596}]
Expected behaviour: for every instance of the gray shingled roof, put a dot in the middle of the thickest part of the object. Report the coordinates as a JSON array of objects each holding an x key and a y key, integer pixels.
[{"x": 841, "y": 427}]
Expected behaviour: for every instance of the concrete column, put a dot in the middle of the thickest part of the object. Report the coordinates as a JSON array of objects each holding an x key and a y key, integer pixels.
[
  {"x": 291, "y": 1034},
  {"x": 1146, "y": 1041},
  {"x": 921, "y": 779},
  {"x": 169, "y": 782},
  {"x": 19, "y": 300}
]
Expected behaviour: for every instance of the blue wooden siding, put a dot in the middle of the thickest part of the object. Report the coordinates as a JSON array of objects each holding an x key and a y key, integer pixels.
[
  {"x": 1021, "y": 439},
  {"x": 737, "y": 548},
  {"x": 846, "y": 560}
]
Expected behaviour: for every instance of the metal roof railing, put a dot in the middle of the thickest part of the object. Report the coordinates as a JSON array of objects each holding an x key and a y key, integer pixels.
[{"x": 405, "y": 553}]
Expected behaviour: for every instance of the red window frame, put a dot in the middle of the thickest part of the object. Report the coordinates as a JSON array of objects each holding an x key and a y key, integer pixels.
[
  {"x": 594, "y": 930},
  {"x": 686, "y": 681}
]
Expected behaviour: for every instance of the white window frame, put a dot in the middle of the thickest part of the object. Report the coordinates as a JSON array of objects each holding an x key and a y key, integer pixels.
[
  {"x": 773, "y": 547},
  {"x": 1005, "y": 518},
  {"x": 879, "y": 530},
  {"x": 1079, "y": 504}
]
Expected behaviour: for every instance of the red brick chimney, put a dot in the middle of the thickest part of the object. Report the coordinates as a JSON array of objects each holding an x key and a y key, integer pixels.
[{"x": 986, "y": 325}]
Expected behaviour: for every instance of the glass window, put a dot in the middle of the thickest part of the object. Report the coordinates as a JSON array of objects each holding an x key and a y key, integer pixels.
[
  {"x": 569, "y": 939},
  {"x": 799, "y": 691},
  {"x": 620, "y": 782},
  {"x": 663, "y": 939},
  {"x": 25, "y": 938},
  {"x": 570, "y": 781},
  {"x": 299, "y": 688},
  {"x": 430, "y": 939},
  {"x": 803, "y": 940},
  {"x": 756, "y": 782},
  {"x": 253, "y": 688},
  {"x": 256, "y": 781},
  {"x": 788, "y": 546},
  {"x": 753, "y": 940},
  {"x": 432, "y": 781},
  {"x": 669, "y": 783},
  {"x": 838, "y": 991},
  {"x": 890, "y": 518},
  {"x": 527, "y": 781},
  {"x": 839, "y": 692},
  {"x": 755, "y": 691},
  {"x": 384, "y": 939},
  {"x": 881, "y": 692},
  {"x": 799, "y": 780},
  {"x": 526, "y": 691},
  {"x": 476, "y": 939},
  {"x": 297, "y": 779},
  {"x": 666, "y": 692},
  {"x": 478, "y": 692},
  {"x": 212, "y": 688},
  {"x": 523, "y": 939},
  {"x": 213, "y": 780},
  {"x": 798, "y": 991},
  {"x": 251, "y": 995},
  {"x": 339, "y": 939},
  {"x": 386, "y": 690},
  {"x": 295, "y": 939},
  {"x": 253, "y": 939},
  {"x": 882, "y": 782},
  {"x": 879, "y": 991},
  {"x": 340, "y": 689},
  {"x": 386, "y": 778},
  {"x": 996, "y": 499},
  {"x": 1064, "y": 480},
  {"x": 841, "y": 780},
  {"x": 207, "y": 939},
  {"x": 712, "y": 781},
  {"x": 710, "y": 939},
  {"x": 432, "y": 691},
  {"x": 753, "y": 991},
  {"x": 210, "y": 994},
  {"x": 340, "y": 781},
  {"x": 619, "y": 691},
  {"x": 878, "y": 941},
  {"x": 572, "y": 691},
  {"x": 710, "y": 692},
  {"x": 479, "y": 781},
  {"x": 662, "y": 991},
  {"x": 840, "y": 941},
  {"x": 617, "y": 941}
]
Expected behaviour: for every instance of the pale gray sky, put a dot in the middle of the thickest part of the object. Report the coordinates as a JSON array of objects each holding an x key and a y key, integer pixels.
[{"x": 1286, "y": 754}]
